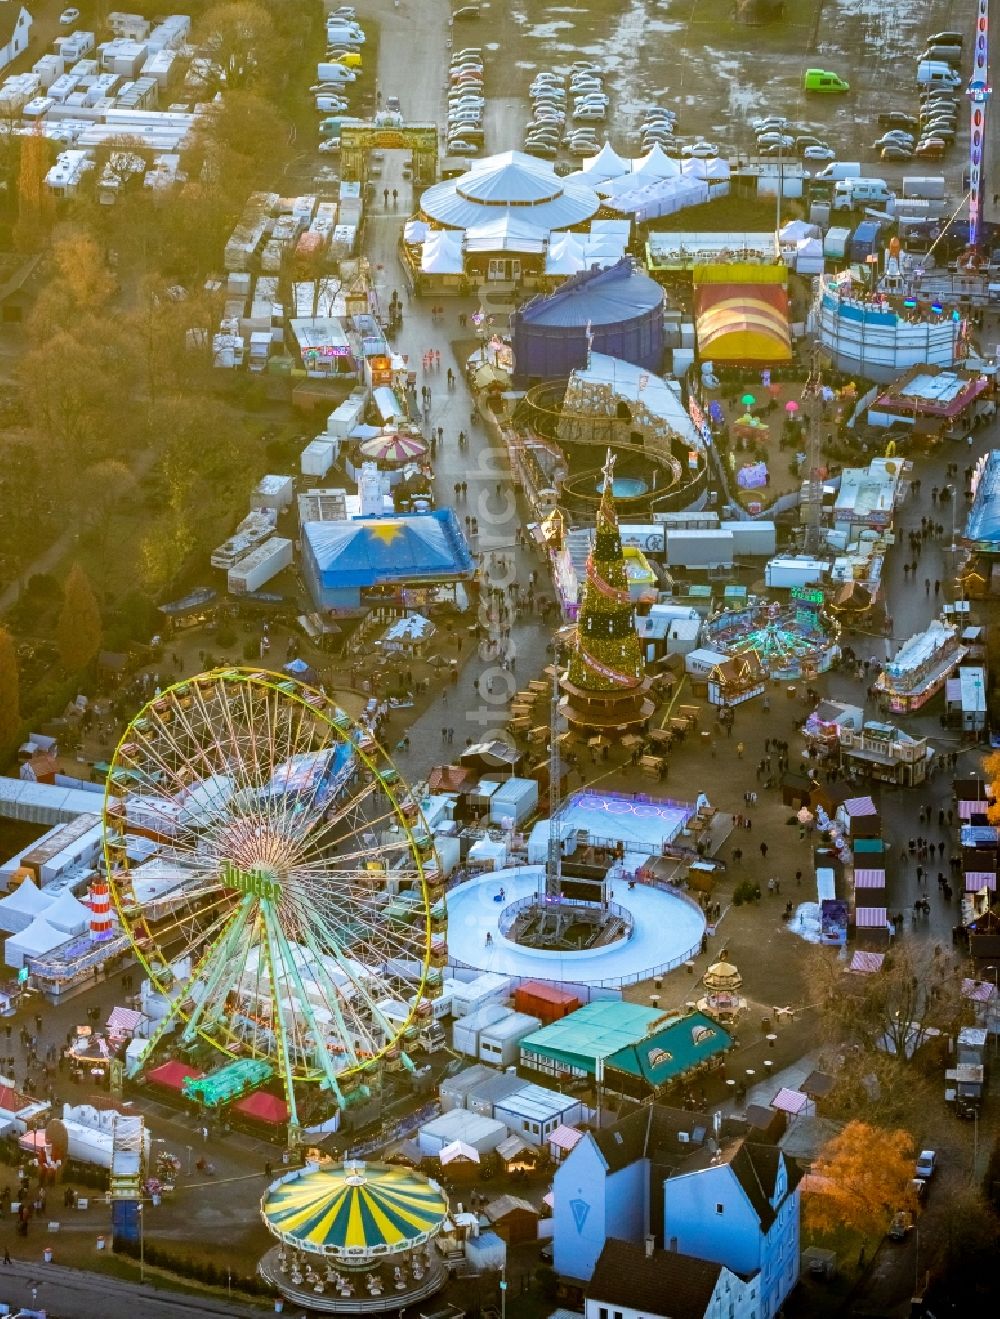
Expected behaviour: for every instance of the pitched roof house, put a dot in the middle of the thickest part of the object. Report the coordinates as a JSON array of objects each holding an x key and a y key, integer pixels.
[
  {"x": 664, "y": 1173},
  {"x": 639, "y": 1280}
]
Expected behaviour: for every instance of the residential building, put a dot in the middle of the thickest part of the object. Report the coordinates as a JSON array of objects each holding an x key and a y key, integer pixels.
[
  {"x": 602, "y": 1187},
  {"x": 739, "y": 1207},
  {"x": 15, "y": 31},
  {"x": 640, "y": 1282},
  {"x": 668, "y": 1174}
]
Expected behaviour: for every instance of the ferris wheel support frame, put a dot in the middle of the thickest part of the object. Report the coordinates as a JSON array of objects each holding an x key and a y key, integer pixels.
[{"x": 227, "y": 932}]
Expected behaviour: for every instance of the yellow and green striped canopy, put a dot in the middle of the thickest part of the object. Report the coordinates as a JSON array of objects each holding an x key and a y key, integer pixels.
[{"x": 354, "y": 1209}]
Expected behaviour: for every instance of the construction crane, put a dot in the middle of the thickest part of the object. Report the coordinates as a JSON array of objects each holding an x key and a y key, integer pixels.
[{"x": 978, "y": 92}]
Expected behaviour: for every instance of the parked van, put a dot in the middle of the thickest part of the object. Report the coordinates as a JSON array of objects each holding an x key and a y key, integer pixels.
[
  {"x": 344, "y": 34},
  {"x": 327, "y": 71},
  {"x": 840, "y": 169},
  {"x": 820, "y": 80},
  {"x": 935, "y": 73},
  {"x": 849, "y": 193}
]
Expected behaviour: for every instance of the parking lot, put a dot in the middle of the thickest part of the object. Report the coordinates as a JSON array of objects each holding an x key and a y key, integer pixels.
[{"x": 717, "y": 74}]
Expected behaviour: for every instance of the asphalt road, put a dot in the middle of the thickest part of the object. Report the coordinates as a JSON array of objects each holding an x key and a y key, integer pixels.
[{"x": 72, "y": 1294}]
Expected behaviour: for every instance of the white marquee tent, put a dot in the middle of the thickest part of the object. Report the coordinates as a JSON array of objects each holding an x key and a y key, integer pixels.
[
  {"x": 20, "y": 907},
  {"x": 40, "y": 937},
  {"x": 68, "y": 913}
]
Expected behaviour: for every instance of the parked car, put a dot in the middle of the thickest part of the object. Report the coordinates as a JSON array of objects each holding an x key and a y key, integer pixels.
[
  {"x": 896, "y": 152},
  {"x": 68, "y": 16},
  {"x": 769, "y": 121},
  {"x": 332, "y": 104},
  {"x": 466, "y": 14},
  {"x": 819, "y": 153},
  {"x": 896, "y": 119},
  {"x": 700, "y": 150},
  {"x": 926, "y": 1164}
]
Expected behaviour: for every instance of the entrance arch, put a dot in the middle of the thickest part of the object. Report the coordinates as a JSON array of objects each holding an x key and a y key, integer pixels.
[{"x": 357, "y": 140}]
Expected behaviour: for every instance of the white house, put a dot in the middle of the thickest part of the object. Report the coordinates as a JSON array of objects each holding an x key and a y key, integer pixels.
[
  {"x": 15, "y": 29},
  {"x": 640, "y": 1282},
  {"x": 738, "y": 1207},
  {"x": 718, "y": 1196}
]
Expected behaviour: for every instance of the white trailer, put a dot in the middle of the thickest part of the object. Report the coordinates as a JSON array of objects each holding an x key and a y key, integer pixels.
[
  {"x": 796, "y": 570},
  {"x": 260, "y": 566},
  {"x": 699, "y": 549}
]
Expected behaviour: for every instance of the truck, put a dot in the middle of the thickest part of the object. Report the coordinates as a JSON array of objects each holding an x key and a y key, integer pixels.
[
  {"x": 851, "y": 193},
  {"x": 932, "y": 187},
  {"x": 864, "y": 241}
]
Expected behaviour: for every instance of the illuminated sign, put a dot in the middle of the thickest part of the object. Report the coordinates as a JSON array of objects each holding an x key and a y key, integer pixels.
[
  {"x": 367, "y": 137},
  {"x": 807, "y": 595},
  {"x": 252, "y": 883}
]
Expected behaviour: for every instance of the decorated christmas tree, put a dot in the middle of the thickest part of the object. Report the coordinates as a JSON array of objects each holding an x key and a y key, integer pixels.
[
  {"x": 604, "y": 686},
  {"x": 607, "y": 656}
]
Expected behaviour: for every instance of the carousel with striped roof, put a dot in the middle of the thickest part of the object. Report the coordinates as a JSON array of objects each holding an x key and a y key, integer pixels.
[{"x": 354, "y": 1237}]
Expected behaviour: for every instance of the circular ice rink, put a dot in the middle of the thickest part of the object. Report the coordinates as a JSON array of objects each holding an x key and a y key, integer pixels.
[{"x": 667, "y": 930}]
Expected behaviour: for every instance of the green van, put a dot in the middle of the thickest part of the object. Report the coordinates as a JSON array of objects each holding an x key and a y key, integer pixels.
[{"x": 820, "y": 80}]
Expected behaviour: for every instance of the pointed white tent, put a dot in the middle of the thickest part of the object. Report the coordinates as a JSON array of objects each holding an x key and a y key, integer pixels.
[
  {"x": 68, "y": 913},
  {"x": 655, "y": 164},
  {"x": 441, "y": 253},
  {"x": 607, "y": 164},
  {"x": 39, "y": 937},
  {"x": 19, "y": 909}
]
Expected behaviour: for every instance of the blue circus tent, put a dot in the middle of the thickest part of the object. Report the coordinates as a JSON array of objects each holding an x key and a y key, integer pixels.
[
  {"x": 620, "y": 308},
  {"x": 343, "y": 560}
]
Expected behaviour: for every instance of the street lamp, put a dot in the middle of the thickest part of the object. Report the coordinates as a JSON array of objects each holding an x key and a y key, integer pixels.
[{"x": 142, "y": 1243}]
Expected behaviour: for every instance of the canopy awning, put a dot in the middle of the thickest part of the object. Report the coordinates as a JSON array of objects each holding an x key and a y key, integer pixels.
[
  {"x": 743, "y": 323},
  {"x": 354, "y": 1209}
]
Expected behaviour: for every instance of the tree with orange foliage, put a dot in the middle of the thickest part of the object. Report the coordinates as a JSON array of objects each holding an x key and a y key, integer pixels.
[
  {"x": 860, "y": 1179},
  {"x": 991, "y": 769},
  {"x": 35, "y": 203}
]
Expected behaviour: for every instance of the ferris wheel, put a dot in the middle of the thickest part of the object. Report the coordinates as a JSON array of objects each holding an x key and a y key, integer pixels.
[{"x": 292, "y": 912}]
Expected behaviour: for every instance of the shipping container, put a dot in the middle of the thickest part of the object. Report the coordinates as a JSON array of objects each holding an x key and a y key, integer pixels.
[
  {"x": 500, "y": 1043},
  {"x": 545, "y": 1001},
  {"x": 835, "y": 243},
  {"x": 752, "y": 538},
  {"x": 932, "y": 187},
  {"x": 317, "y": 457},
  {"x": 864, "y": 240},
  {"x": 488, "y": 987},
  {"x": 465, "y": 1032},
  {"x": 482, "y": 1133},
  {"x": 797, "y": 570},
  {"x": 699, "y": 549},
  {"x": 515, "y": 801}
]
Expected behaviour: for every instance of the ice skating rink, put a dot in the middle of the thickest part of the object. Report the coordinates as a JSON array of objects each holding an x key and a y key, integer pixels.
[{"x": 667, "y": 929}]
